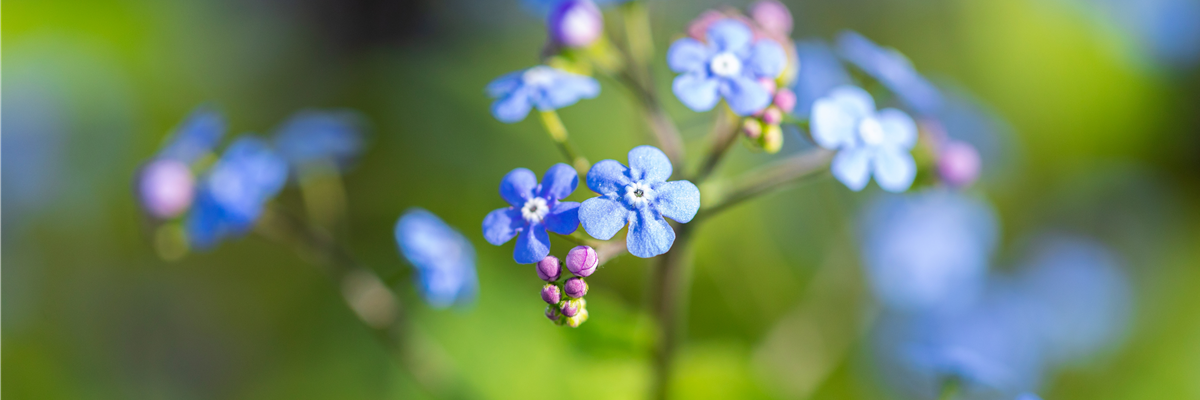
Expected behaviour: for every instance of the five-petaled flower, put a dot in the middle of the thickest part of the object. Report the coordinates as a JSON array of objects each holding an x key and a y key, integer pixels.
[
  {"x": 728, "y": 66},
  {"x": 868, "y": 142},
  {"x": 640, "y": 196},
  {"x": 544, "y": 87},
  {"x": 534, "y": 209}
]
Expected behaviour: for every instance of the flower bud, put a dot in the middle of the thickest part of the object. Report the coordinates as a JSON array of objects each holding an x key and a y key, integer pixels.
[
  {"x": 551, "y": 293},
  {"x": 548, "y": 269},
  {"x": 785, "y": 99},
  {"x": 552, "y": 312},
  {"x": 772, "y": 139},
  {"x": 582, "y": 261},
  {"x": 773, "y": 17},
  {"x": 575, "y": 23},
  {"x": 751, "y": 128},
  {"x": 772, "y": 116},
  {"x": 571, "y": 307},
  {"x": 575, "y": 287},
  {"x": 768, "y": 84},
  {"x": 578, "y": 319},
  {"x": 958, "y": 164},
  {"x": 165, "y": 188}
]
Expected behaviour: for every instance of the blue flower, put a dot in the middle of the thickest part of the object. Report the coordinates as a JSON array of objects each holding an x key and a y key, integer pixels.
[
  {"x": 928, "y": 251},
  {"x": 544, "y": 87},
  {"x": 195, "y": 137},
  {"x": 543, "y": 7},
  {"x": 638, "y": 196},
  {"x": 892, "y": 69},
  {"x": 231, "y": 196},
  {"x": 1083, "y": 296},
  {"x": 821, "y": 73},
  {"x": 443, "y": 258},
  {"x": 868, "y": 142},
  {"x": 533, "y": 210},
  {"x": 728, "y": 66},
  {"x": 314, "y": 136}
]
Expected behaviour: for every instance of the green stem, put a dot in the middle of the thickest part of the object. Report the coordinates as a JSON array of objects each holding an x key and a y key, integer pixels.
[
  {"x": 723, "y": 135},
  {"x": 669, "y": 287},
  {"x": 558, "y": 133},
  {"x": 762, "y": 180},
  {"x": 949, "y": 389}
]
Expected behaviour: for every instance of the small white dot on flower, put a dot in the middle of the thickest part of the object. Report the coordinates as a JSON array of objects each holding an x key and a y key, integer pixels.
[
  {"x": 534, "y": 210},
  {"x": 538, "y": 76},
  {"x": 870, "y": 131},
  {"x": 725, "y": 64},
  {"x": 638, "y": 194}
]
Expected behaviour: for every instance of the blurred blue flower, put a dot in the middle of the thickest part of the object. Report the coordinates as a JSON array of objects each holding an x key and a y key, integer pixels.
[
  {"x": 928, "y": 251},
  {"x": 1083, "y": 296},
  {"x": 868, "y": 142},
  {"x": 313, "y": 136},
  {"x": 991, "y": 349},
  {"x": 533, "y": 210},
  {"x": 640, "y": 196},
  {"x": 892, "y": 69},
  {"x": 544, "y": 87},
  {"x": 443, "y": 259},
  {"x": 543, "y": 7},
  {"x": 729, "y": 66},
  {"x": 1167, "y": 30},
  {"x": 820, "y": 72},
  {"x": 197, "y": 136},
  {"x": 1028, "y": 396},
  {"x": 231, "y": 196}
]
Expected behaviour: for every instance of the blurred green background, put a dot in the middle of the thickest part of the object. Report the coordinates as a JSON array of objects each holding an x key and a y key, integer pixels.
[{"x": 1106, "y": 144}]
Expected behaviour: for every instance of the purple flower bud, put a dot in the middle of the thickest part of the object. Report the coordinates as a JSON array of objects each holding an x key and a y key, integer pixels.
[
  {"x": 958, "y": 164},
  {"x": 773, "y": 17},
  {"x": 578, "y": 319},
  {"x": 575, "y": 23},
  {"x": 785, "y": 99},
  {"x": 551, "y": 294},
  {"x": 165, "y": 188},
  {"x": 752, "y": 128},
  {"x": 582, "y": 261},
  {"x": 571, "y": 307},
  {"x": 548, "y": 269},
  {"x": 552, "y": 312},
  {"x": 575, "y": 287},
  {"x": 772, "y": 116}
]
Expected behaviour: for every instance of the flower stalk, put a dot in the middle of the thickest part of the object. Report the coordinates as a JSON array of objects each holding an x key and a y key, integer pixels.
[{"x": 558, "y": 133}]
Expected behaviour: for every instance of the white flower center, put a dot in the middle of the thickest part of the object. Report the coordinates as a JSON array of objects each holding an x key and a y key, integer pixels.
[
  {"x": 538, "y": 76},
  {"x": 535, "y": 209},
  {"x": 638, "y": 194},
  {"x": 871, "y": 131},
  {"x": 725, "y": 64}
]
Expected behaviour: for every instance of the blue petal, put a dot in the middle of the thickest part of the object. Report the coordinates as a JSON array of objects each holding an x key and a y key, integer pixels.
[
  {"x": 696, "y": 90},
  {"x": 608, "y": 176},
  {"x": 513, "y": 107},
  {"x": 894, "y": 169},
  {"x": 899, "y": 129},
  {"x": 649, "y": 164},
  {"x": 500, "y": 225},
  {"x": 852, "y": 168},
  {"x": 729, "y": 35},
  {"x": 559, "y": 182},
  {"x": 568, "y": 89},
  {"x": 687, "y": 55},
  {"x": 563, "y": 218},
  {"x": 744, "y": 95},
  {"x": 820, "y": 72},
  {"x": 649, "y": 234},
  {"x": 517, "y": 187},
  {"x": 835, "y": 118},
  {"x": 767, "y": 59},
  {"x": 533, "y": 244},
  {"x": 603, "y": 217},
  {"x": 197, "y": 135},
  {"x": 319, "y": 135},
  {"x": 678, "y": 200},
  {"x": 504, "y": 85}
]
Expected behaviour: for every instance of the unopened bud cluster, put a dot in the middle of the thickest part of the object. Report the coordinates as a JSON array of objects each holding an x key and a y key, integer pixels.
[{"x": 565, "y": 303}]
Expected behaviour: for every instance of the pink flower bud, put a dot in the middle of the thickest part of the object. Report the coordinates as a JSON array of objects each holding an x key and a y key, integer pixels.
[
  {"x": 751, "y": 128},
  {"x": 165, "y": 188},
  {"x": 958, "y": 164},
  {"x": 575, "y": 23},
  {"x": 575, "y": 288},
  {"x": 772, "y": 116},
  {"x": 773, "y": 17},
  {"x": 552, "y": 312},
  {"x": 548, "y": 269},
  {"x": 551, "y": 293},
  {"x": 785, "y": 99},
  {"x": 582, "y": 261},
  {"x": 571, "y": 307},
  {"x": 578, "y": 319},
  {"x": 767, "y": 83}
]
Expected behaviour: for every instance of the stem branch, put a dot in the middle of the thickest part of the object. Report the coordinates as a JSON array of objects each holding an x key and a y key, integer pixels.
[
  {"x": 669, "y": 286},
  {"x": 763, "y": 180},
  {"x": 558, "y": 133}
]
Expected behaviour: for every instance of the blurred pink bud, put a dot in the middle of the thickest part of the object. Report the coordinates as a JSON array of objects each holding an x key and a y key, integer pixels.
[
  {"x": 958, "y": 164},
  {"x": 582, "y": 261},
  {"x": 165, "y": 188},
  {"x": 767, "y": 83},
  {"x": 575, "y": 23},
  {"x": 751, "y": 128},
  {"x": 548, "y": 269},
  {"x": 772, "y": 116},
  {"x": 785, "y": 99},
  {"x": 552, "y": 312},
  {"x": 773, "y": 17}
]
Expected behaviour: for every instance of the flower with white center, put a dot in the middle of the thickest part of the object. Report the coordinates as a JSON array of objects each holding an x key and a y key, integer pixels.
[
  {"x": 533, "y": 209},
  {"x": 640, "y": 196},
  {"x": 544, "y": 87},
  {"x": 868, "y": 142},
  {"x": 728, "y": 64}
]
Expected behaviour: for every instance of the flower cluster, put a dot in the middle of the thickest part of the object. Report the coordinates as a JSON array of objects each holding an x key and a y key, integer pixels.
[{"x": 565, "y": 303}]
